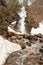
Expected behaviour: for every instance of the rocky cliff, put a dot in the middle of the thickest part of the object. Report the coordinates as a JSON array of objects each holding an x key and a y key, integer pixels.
[
  {"x": 6, "y": 16},
  {"x": 34, "y": 13}
]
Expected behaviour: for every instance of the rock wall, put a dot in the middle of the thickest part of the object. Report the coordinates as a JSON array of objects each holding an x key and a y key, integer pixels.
[
  {"x": 6, "y": 16},
  {"x": 34, "y": 13}
]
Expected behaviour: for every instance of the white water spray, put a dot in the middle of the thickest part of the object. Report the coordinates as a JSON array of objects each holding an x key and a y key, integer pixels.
[{"x": 22, "y": 14}]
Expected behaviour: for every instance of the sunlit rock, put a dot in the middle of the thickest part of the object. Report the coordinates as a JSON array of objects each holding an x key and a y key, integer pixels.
[
  {"x": 34, "y": 14},
  {"x": 37, "y": 30}
]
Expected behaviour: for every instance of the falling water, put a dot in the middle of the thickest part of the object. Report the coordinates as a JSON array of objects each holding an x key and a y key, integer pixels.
[
  {"x": 21, "y": 24},
  {"x": 22, "y": 14},
  {"x": 29, "y": 3}
]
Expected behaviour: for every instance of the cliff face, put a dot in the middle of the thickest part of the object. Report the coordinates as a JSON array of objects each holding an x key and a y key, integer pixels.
[
  {"x": 35, "y": 13},
  {"x": 6, "y": 16}
]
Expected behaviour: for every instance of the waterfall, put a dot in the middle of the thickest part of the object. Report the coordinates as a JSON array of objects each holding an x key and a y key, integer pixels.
[
  {"x": 21, "y": 23},
  {"x": 22, "y": 14}
]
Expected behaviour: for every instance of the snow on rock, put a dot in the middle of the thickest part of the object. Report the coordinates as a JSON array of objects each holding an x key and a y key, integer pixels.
[
  {"x": 7, "y": 47},
  {"x": 11, "y": 30},
  {"x": 37, "y": 30}
]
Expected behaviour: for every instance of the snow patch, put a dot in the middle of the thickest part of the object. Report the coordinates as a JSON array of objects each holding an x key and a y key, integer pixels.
[
  {"x": 37, "y": 30},
  {"x": 11, "y": 30},
  {"x": 7, "y": 47}
]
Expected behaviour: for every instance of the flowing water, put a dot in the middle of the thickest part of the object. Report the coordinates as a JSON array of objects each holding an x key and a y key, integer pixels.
[{"x": 22, "y": 26}]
